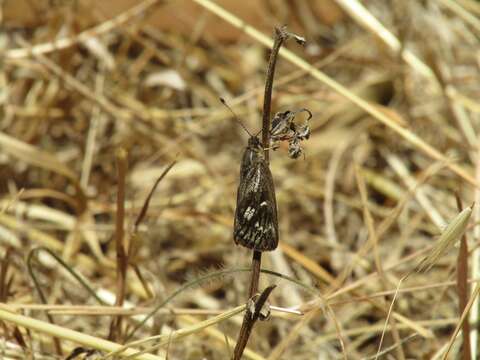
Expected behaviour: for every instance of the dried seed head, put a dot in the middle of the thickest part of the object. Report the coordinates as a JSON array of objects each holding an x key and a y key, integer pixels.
[
  {"x": 294, "y": 149},
  {"x": 282, "y": 31},
  {"x": 449, "y": 237},
  {"x": 284, "y": 128},
  {"x": 281, "y": 124},
  {"x": 299, "y": 39}
]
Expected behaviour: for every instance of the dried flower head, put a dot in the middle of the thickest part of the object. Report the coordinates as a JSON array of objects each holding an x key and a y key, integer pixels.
[{"x": 284, "y": 128}]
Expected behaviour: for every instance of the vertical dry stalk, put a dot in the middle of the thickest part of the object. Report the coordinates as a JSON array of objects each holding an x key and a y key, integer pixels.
[
  {"x": 280, "y": 36},
  {"x": 249, "y": 319},
  {"x": 122, "y": 256},
  {"x": 463, "y": 288},
  {"x": 463, "y": 318}
]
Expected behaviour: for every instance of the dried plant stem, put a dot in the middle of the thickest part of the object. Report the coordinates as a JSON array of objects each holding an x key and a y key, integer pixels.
[
  {"x": 249, "y": 318},
  {"x": 256, "y": 265},
  {"x": 475, "y": 267},
  {"x": 280, "y": 37},
  {"x": 463, "y": 288},
  {"x": 461, "y": 321},
  {"x": 122, "y": 256}
]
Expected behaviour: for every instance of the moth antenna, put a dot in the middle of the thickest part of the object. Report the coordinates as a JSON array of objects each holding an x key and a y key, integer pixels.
[{"x": 222, "y": 100}]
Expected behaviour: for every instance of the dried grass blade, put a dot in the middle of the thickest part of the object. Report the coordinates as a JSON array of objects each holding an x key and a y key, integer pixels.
[
  {"x": 66, "y": 334},
  {"x": 32, "y": 155}
]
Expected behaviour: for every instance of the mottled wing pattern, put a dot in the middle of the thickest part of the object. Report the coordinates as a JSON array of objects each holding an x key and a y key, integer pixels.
[{"x": 256, "y": 213}]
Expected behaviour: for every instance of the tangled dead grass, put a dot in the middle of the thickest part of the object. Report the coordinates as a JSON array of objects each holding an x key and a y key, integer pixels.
[{"x": 95, "y": 107}]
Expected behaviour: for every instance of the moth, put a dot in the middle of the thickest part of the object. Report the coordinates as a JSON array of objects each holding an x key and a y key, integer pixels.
[{"x": 255, "y": 224}]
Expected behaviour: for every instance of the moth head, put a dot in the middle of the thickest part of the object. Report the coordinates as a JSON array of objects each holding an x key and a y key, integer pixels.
[{"x": 255, "y": 145}]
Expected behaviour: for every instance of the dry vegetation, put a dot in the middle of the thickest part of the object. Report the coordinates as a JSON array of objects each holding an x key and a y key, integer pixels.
[{"x": 89, "y": 122}]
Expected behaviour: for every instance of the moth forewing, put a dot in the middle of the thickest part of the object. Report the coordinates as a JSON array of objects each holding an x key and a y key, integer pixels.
[{"x": 255, "y": 224}]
